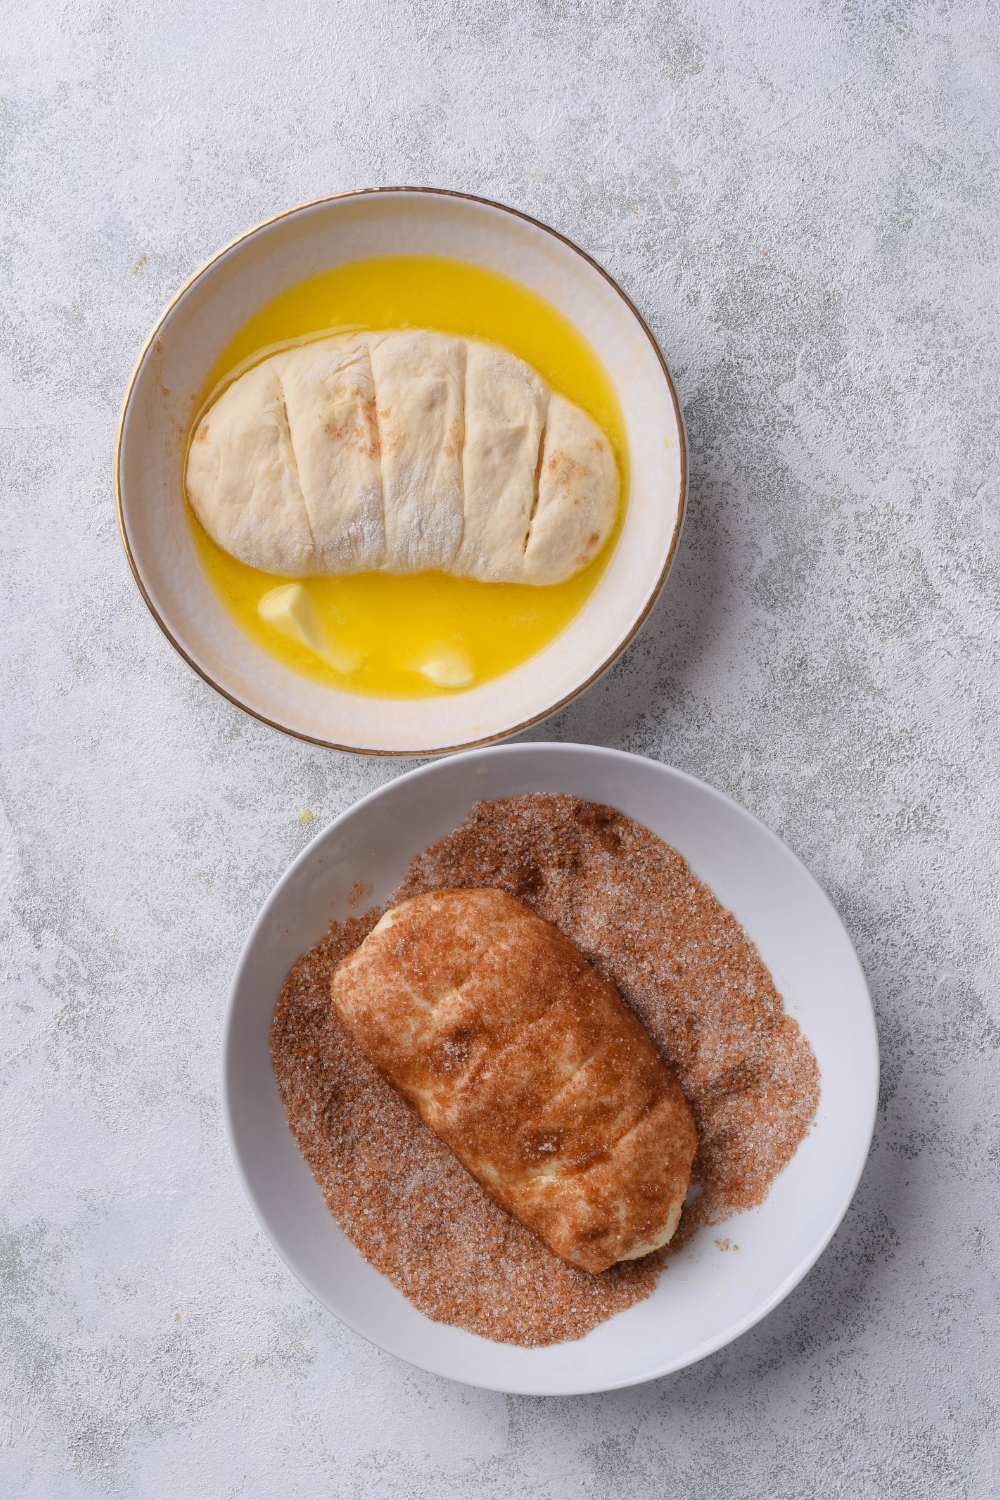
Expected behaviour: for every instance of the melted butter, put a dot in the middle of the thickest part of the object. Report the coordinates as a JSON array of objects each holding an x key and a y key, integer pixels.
[{"x": 422, "y": 634}]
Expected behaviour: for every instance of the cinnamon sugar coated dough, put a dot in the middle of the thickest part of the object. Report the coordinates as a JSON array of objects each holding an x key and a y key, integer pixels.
[
  {"x": 523, "y": 1058},
  {"x": 679, "y": 959}
]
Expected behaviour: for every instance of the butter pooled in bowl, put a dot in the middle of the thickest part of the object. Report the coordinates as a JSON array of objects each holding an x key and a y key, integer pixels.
[{"x": 402, "y": 452}]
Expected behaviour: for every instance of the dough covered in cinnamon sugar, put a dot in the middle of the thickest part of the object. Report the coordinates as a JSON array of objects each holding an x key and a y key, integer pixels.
[{"x": 524, "y": 1059}]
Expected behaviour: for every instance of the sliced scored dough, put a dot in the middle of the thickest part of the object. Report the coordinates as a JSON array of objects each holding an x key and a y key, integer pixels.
[
  {"x": 505, "y": 406},
  {"x": 577, "y": 495},
  {"x": 330, "y": 401},
  {"x": 402, "y": 452},
  {"x": 243, "y": 480},
  {"x": 419, "y": 381}
]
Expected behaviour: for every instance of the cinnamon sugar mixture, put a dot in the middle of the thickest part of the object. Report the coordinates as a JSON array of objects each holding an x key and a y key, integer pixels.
[{"x": 687, "y": 969}]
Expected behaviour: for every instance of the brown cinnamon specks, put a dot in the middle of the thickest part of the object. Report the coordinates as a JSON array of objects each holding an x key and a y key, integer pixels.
[{"x": 681, "y": 961}]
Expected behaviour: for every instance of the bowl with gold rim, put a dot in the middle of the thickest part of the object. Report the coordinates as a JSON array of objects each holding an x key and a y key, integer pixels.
[{"x": 392, "y": 259}]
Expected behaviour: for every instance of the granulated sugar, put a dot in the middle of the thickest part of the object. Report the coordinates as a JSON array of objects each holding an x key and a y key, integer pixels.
[{"x": 690, "y": 973}]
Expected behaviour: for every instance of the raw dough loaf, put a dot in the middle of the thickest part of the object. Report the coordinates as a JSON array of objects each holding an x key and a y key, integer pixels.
[
  {"x": 402, "y": 452},
  {"x": 528, "y": 1064}
]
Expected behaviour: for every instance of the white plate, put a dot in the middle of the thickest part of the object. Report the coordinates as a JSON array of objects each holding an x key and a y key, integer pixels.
[
  {"x": 704, "y": 1297},
  {"x": 216, "y": 303}
]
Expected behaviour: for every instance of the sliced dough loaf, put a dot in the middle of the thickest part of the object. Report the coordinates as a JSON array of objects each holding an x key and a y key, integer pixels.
[
  {"x": 419, "y": 381},
  {"x": 572, "y": 518},
  {"x": 243, "y": 478},
  {"x": 329, "y": 396},
  {"x": 402, "y": 452},
  {"x": 506, "y": 405}
]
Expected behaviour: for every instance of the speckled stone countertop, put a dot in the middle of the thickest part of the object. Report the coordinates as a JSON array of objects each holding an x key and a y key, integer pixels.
[{"x": 803, "y": 200}]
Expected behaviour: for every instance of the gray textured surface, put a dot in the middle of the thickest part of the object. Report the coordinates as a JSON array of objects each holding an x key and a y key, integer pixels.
[{"x": 803, "y": 199}]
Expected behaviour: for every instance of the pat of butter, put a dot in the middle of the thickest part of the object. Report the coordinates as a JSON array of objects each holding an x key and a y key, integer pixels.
[
  {"x": 448, "y": 667},
  {"x": 289, "y": 609}
]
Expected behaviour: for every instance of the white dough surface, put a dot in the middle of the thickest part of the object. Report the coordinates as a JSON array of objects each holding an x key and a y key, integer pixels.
[{"x": 402, "y": 452}]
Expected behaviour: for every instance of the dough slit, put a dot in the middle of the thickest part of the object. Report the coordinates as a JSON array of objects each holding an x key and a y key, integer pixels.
[
  {"x": 578, "y": 1068},
  {"x": 617, "y": 1141},
  {"x": 379, "y": 443},
  {"x": 500, "y": 1053},
  {"x": 461, "y": 467},
  {"x": 536, "y": 486},
  {"x": 292, "y": 457}
]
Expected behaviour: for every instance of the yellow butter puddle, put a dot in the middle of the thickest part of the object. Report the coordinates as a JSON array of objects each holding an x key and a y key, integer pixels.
[{"x": 423, "y": 634}]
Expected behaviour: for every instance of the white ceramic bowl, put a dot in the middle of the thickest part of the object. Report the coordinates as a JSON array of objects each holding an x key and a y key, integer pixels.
[
  {"x": 216, "y": 303},
  {"x": 704, "y": 1298}
]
